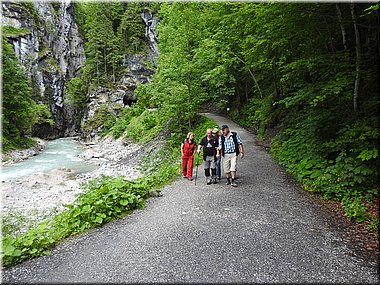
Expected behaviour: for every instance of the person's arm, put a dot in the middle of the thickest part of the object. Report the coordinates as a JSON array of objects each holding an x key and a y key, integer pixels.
[
  {"x": 182, "y": 149},
  {"x": 241, "y": 150},
  {"x": 199, "y": 148},
  {"x": 195, "y": 149},
  {"x": 240, "y": 145},
  {"x": 216, "y": 146},
  {"x": 220, "y": 144},
  {"x": 219, "y": 148}
]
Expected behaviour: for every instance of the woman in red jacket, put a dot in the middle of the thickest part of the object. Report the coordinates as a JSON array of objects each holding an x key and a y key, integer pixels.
[{"x": 188, "y": 148}]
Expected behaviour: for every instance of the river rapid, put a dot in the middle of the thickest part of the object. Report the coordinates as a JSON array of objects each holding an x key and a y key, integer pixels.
[{"x": 59, "y": 153}]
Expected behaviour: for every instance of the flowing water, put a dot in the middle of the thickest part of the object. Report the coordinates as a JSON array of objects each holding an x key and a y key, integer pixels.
[{"x": 58, "y": 153}]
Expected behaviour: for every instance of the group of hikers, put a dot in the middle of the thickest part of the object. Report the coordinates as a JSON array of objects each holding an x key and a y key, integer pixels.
[{"x": 219, "y": 150}]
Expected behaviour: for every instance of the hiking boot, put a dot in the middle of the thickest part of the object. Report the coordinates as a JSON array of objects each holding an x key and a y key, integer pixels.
[
  {"x": 184, "y": 176},
  {"x": 214, "y": 181},
  {"x": 190, "y": 178},
  {"x": 208, "y": 181},
  {"x": 218, "y": 178},
  {"x": 233, "y": 183},
  {"x": 228, "y": 181}
]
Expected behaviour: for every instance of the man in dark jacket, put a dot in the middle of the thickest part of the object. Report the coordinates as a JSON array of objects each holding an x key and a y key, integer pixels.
[{"x": 209, "y": 145}]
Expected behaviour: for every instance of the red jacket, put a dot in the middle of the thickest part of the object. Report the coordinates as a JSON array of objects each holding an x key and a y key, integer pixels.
[{"x": 188, "y": 148}]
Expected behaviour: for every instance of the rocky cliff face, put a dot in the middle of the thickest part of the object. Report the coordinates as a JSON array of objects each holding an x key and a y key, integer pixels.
[
  {"x": 138, "y": 70},
  {"x": 48, "y": 44}
]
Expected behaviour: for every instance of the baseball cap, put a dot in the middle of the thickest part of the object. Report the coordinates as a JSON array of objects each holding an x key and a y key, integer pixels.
[{"x": 215, "y": 130}]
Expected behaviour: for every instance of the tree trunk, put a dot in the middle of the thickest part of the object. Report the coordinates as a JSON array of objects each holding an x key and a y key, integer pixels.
[
  {"x": 276, "y": 81},
  {"x": 246, "y": 89},
  {"x": 105, "y": 61},
  {"x": 343, "y": 30},
  {"x": 97, "y": 67},
  {"x": 189, "y": 95},
  {"x": 330, "y": 36},
  {"x": 253, "y": 77},
  {"x": 113, "y": 64},
  {"x": 358, "y": 59}
]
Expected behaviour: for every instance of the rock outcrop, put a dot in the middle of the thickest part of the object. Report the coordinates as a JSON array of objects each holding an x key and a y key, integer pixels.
[{"x": 48, "y": 44}]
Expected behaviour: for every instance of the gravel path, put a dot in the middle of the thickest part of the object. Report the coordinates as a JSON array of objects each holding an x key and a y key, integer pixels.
[{"x": 264, "y": 231}]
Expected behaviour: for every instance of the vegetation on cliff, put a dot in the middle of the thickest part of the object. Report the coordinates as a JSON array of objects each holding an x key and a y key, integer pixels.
[
  {"x": 110, "y": 31},
  {"x": 19, "y": 111}
]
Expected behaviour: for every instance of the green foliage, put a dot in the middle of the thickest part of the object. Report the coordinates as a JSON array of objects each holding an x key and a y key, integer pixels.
[
  {"x": 111, "y": 30},
  {"x": 103, "y": 118},
  {"x": 19, "y": 111},
  {"x": 332, "y": 168},
  {"x": 105, "y": 199},
  {"x": 144, "y": 127},
  {"x": 256, "y": 114},
  {"x": 42, "y": 114},
  {"x": 77, "y": 92},
  {"x": 287, "y": 69},
  {"x": 123, "y": 119},
  {"x": 9, "y": 31},
  {"x": 132, "y": 29},
  {"x": 176, "y": 89}
]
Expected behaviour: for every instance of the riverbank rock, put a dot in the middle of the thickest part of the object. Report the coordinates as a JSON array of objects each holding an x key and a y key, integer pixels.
[
  {"x": 115, "y": 158},
  {"x": 15, "y": 156},
  {"x": 42, "y": 191}
]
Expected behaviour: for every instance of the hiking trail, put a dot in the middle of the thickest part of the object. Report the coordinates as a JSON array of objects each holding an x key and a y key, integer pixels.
[{"x": 265, "y": 230}]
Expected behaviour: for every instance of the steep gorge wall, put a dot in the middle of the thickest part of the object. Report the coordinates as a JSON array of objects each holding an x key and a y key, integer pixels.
[
  {"x": 48, "y": 44},
  {"x": 138, "y": 69}
]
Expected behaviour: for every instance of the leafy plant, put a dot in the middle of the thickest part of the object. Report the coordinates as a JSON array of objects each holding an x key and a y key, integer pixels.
[{"x": 105, "y": 199}]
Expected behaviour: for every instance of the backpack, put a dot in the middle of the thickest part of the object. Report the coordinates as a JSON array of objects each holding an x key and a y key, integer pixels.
[{"x": 235, "y": 141}]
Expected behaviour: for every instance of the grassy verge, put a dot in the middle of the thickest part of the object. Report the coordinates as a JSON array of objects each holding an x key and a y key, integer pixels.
[{"x": 104, "y": 199}]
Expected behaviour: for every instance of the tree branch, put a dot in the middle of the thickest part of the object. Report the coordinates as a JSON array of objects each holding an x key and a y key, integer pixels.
[{"x": 253, "y": 77}]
